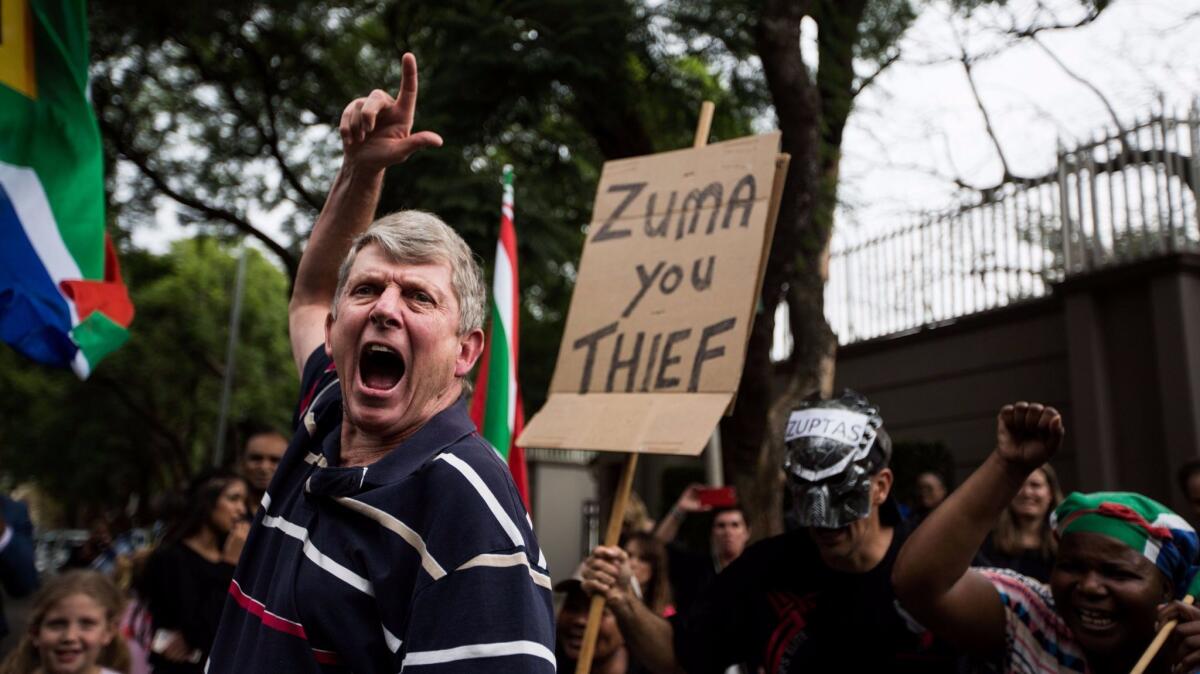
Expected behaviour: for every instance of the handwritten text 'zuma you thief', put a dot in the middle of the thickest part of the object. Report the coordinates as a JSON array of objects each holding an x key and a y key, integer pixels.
[{"x": 655, "y": 362}]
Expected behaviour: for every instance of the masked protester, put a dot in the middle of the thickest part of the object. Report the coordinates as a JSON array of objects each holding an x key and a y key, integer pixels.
[
  {"x": 808, "y": 600},
  {"x": 1123, "y": 561}
]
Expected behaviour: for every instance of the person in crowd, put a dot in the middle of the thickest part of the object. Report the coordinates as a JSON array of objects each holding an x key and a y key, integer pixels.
[
  {"x": 1023, "y": 539},
  {"x": 186, "y": 579},
  {"x": 610, "y": 655},
  {"x": 392, "y": 536},
  {"x": 807, "y": 600},
  {"x": 728, "y": 536},
  {"x": 260, "y": 457},
  {"x": 98, "y": 541},
  {"x": 1189, "y": 484},
  {"x": 72, "y": 629},
  {"x": 637, "y": 516},
  {"x": 931, "y": 490},
  {"x": 18, "y": 574},
  {"x": 1123, "y": 559},
  {"x": 648, "y": 564}
]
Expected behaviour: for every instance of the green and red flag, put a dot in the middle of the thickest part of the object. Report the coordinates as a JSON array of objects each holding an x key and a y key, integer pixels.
[
  {"x": 496, "y": 406},
  {"x": 62, "y": 301}
]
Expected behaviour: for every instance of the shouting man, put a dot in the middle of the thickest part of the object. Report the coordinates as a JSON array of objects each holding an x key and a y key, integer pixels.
[{"x": 392, "y": 537}]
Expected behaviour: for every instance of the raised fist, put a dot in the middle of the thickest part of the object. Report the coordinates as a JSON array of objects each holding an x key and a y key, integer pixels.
[{"x": 1028, "y": 434}]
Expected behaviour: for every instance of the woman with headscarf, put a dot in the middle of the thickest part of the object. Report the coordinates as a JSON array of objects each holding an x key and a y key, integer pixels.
[{"x": 1123, "y": 562}]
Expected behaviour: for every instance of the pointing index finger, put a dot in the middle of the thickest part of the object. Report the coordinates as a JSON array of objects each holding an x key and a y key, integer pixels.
[{"x": 406, "y": 101}]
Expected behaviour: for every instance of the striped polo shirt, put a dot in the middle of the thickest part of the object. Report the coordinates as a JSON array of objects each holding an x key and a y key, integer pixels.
[{"x": 424, "y": 560}]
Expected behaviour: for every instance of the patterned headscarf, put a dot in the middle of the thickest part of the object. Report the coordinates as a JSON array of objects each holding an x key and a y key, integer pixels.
[{"x": 1143, "y": 524}]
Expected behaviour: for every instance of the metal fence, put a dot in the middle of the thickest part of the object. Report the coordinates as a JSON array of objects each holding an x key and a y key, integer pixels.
[{"x": 1127, "y": 195}]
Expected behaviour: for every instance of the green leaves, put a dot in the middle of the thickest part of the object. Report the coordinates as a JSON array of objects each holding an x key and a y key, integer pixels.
[{"x": 147, "y": 417}]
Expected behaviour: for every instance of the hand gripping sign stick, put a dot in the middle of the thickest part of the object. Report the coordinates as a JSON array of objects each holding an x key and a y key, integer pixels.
[
  {"x": 1161, "y": 637},
  {"x": 612, "y": 535}
]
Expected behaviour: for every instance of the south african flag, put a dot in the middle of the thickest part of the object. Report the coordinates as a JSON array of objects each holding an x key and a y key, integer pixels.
[{"x": 62, "y": 301}]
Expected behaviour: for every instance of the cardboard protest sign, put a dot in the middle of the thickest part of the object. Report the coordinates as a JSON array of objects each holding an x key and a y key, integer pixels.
[{"x": 660, "y": 319}]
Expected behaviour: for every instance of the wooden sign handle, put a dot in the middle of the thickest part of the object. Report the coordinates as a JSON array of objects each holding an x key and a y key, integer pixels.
[
  {"x": 704, "y": 124},
  {"x": 612, "y": 536},
  {"x": 1159, "y": 640}
]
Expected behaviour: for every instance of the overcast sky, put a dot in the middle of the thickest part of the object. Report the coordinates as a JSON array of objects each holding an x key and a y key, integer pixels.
[{"x": 919, "y": 119}]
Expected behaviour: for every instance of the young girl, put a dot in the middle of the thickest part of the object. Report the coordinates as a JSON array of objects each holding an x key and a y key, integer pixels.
[{"x": 72, "y": 629}]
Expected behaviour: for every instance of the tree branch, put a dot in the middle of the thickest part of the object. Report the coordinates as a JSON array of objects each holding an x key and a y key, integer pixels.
[
  {"x": 965, "y": 60},
  {"x": 870, "y": 79},
  {"x": 153, "y": 422},
  {"x": 1112, "y": 113},
  {"x": 270, "y": 135},
  {"x": 1031, "y": 31},
  {"x": 142, "y": 162}
]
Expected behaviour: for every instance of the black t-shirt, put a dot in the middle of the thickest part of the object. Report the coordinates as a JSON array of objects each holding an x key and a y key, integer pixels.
[
  {"x": 185, "y": 592},
  {"x": 1030, "y": 563},
  {"x": 780, "y": 608},
  {"x": 690, "y": 574}
]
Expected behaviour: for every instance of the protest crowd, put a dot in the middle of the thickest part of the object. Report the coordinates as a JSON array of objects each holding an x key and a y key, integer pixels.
[{"x": 380, "y": 533}]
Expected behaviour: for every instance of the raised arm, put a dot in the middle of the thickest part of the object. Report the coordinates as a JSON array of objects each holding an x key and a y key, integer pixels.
[
  {"x": 932, "y": 577},
  {"x": 689, "y": 502},
  {"x": 650, "y": 638},
  {"x": 376, "y": 133}
]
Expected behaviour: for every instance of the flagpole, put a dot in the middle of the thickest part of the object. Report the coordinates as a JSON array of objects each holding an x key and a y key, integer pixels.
[{"x": 235, "y": 315}]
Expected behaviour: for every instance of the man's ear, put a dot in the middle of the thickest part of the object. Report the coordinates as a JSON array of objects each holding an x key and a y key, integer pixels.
[
  {"x": 881, "y": 486},
  {"x": 328, "y": 328},
  {"x": 470, "y": 347}
]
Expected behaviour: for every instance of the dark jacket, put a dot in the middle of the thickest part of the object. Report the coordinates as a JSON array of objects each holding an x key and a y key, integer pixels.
[{"x": 18, "y": 575}]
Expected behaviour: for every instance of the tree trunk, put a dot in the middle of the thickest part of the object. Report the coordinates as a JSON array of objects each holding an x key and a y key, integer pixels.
[{"x": 812, "y": 115}]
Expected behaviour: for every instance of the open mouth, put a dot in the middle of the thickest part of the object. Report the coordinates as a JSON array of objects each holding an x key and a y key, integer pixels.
[
  {"x": 830, "y": 536},
  {"x": 380, "y": 367},
  {"x": 1094, "y": 620},
  {"x": 67, "y": 657}
]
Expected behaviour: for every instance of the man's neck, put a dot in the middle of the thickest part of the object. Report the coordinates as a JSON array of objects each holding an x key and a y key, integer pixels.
[
  {"x": 867, "y": 555},
  {"x": 724, "y": 559},
  {"x": 361, "y": 448}
]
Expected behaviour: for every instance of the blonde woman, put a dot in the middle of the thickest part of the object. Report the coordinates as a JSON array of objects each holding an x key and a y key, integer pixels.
[{"x": 1023, "y": 539}]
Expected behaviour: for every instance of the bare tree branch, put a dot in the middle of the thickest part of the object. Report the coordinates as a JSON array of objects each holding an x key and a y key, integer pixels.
[
  {"x": 965, "y": 60},
  {"x": 1112, "y": 113},
  {"x": 1031, "y": 31},
  {"x": 869, "y": 79}
]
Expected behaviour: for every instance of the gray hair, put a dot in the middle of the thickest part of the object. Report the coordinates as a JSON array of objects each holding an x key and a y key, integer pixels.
[{"x": 417, "y": 237}]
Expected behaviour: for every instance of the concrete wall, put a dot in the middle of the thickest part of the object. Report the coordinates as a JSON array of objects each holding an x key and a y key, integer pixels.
[
  {"x": 946, "y": 384},
  {"x": 558, "y": 492}
]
